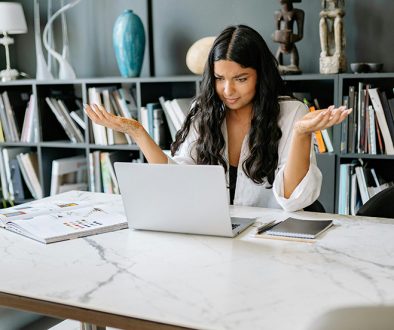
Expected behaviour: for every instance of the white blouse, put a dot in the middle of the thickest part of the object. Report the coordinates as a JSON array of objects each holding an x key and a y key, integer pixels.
[{"x": 251, "y": 194}]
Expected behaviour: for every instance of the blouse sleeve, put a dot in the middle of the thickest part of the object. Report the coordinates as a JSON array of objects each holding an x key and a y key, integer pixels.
[{"x": 308, "y": 190}]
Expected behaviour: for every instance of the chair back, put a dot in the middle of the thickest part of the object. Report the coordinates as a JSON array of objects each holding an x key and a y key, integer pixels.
[
  {"x": 381, "y": 205},
  {"x": 316, "y": 206}
]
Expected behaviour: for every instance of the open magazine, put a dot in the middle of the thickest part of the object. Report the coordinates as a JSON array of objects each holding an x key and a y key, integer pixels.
[{"x": 65, "y": 216}]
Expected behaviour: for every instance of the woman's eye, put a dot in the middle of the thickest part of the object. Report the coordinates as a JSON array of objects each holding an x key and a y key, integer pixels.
[
  {"x": 241, "y": 79},
  {"x": 218, "y": 78}
]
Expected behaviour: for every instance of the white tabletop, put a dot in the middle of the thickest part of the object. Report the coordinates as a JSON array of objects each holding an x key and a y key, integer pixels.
[{"x": 209, "y": 282}]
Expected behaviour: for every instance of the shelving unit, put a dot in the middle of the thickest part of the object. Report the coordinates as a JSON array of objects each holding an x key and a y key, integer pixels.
[
  {"x": 380, "y": 162},
  {"x": 54, "y": 143}
]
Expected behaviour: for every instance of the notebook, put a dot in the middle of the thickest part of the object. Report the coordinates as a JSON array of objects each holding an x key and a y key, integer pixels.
[
  {"x": 299, "y": 228},
  {"x": 190, "y": 199}
]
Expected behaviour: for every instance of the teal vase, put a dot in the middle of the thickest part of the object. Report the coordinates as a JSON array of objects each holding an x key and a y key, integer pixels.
[{"x": 129, "y": 43}]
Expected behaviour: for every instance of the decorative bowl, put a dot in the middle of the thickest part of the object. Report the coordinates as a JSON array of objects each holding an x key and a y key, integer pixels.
[
  {"x": 375, "y": 67},
  {"x": 359, "y": 67}
]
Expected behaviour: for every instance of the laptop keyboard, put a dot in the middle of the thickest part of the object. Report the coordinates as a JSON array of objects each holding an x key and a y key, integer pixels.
[{"x": 235, "y": 225}]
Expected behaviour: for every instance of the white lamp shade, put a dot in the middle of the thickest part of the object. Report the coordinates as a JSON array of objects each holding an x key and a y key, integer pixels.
[{"x": 12, "y": 18}]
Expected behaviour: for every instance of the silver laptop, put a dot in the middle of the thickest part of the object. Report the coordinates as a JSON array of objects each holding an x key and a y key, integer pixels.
[{"x": 190, "y": 199}]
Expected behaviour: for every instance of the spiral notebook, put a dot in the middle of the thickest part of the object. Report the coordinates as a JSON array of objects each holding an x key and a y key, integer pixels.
[{"x": 299, "y": 228}]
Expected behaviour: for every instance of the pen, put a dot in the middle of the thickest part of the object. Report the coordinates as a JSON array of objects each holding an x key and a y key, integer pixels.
[{"x": 266, "y": 226}]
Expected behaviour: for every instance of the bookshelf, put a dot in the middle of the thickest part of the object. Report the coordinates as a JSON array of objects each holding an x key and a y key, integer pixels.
[
  {"x": 380, "y": 162},
  {"x": 53, "y": 142}
]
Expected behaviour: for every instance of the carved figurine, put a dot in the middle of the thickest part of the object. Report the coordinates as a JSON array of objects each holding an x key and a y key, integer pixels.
[
  {"x": 332, "y": 37},
  {"x": 286, "y": 18}
]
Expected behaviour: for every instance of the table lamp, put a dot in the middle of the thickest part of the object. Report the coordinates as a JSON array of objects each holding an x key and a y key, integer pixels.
[{"x": 12, "y": 21}]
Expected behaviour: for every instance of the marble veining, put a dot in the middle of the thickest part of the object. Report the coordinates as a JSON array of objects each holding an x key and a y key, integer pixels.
[{"x": 209, "y": 282}]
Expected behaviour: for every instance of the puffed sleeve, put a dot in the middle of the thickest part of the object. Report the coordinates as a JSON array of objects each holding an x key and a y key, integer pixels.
[
  {"x": 186, "y": 152},
  {"x": 308, "y": 190}
]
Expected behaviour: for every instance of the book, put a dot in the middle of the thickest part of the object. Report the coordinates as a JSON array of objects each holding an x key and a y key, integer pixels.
[
  {"x": 8, "y": 155},
  {"x": 29, "y": 130},
  {"x": 28, "y": 164},
  {"x": 4, "y": 122},
  {"x": 61, "y": 115},
  {"x": 318, "y": 135},
  {"x": 69, "y": 170},
  {"x": 78, "y": 117},
  {"x": 121, "y": 108},
  {"x": 380, "y": 115},
  {"x": 151, "y": 108},
  {"x": 300, "y": 228},
  {"x": 14, "y": 130},
  {"x": 76, "y": 132},
  {"x": 17, "y": 182},
  {"x": 171, "y": 120},
  {"x": 387, "y": 112},
  {"x": 65, "y": 216},
  {"x": 99, "y": 131}
]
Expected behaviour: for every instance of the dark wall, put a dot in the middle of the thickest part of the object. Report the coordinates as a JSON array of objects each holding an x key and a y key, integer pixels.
[{"x": 179, "y": 23}]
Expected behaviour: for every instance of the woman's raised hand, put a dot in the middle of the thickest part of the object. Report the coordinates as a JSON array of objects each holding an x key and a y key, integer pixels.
[
  {"x": 321, "y": 119},
  {"x": 99, "y": 115}
]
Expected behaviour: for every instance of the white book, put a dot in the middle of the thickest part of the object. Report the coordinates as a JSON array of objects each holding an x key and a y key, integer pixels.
[
  {"x": 28, "y": 164},
  {"x": 78, "y": 117},
  {"x": 72, "y": 215},
  {"x": 174, "y": 118},
  {"x": 70, "y": 122},
  {"x": 113, "y": 136},
  {"x": 372, "y": 131},
  {"x": 68, "y": 170},
  {"x": 362, "y": 184},
  {"x": 28, "y": 121},
  {"x": 178, "y": 112},
  {"x": 54, "y": 106},
  {"x": 170, "y": 123},
  {"x": 3, "y": 178},
  {"x": 108, "y": 108},
  {"x": 184, "y": 104},
  {"x": 119, "y": 112},
  {"x": 99, "y": 131},
  {"x": 353, "y": 193},
  {"x": 377, "y": 105},
  {"x": 4, "y": 121},
  {"x": 11, "y": 118},
  {"x": 144, "y": 118},
  {"x": 91, "y": 173}
]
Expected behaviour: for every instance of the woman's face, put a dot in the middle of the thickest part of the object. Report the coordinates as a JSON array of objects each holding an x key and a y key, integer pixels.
[{"x": 235, "y": 85}]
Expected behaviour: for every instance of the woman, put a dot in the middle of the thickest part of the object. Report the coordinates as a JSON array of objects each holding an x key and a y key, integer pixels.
[{"x": 241, "y": 121}]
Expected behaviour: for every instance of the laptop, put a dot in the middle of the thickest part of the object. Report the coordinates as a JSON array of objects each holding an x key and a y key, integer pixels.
[{"x": 190, "y": 199}]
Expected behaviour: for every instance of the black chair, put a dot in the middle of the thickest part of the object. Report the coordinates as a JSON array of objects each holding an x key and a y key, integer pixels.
[
  {"x": 316, "y": 206},
  {"x": 381, "y": 205}
]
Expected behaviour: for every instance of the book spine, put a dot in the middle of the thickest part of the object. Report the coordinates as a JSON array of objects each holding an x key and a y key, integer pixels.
[{"x": 319, "y": 137}]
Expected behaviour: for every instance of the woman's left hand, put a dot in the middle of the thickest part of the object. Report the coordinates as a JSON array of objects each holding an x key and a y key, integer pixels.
[{"x": 321, "y": 119}]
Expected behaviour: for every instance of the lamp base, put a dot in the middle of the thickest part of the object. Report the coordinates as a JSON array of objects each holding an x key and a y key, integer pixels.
[{"x": 9, "y": 74}]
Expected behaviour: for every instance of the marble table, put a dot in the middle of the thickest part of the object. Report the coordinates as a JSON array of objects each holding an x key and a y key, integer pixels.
[{"x": 164, "y": 281}]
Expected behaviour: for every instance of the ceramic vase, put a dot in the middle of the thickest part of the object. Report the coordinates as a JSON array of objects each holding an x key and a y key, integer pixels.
[
  {"x": 129, "y": 43},
  {"x": 42, "y": 72},
  {"x": 65, "y": 69}
]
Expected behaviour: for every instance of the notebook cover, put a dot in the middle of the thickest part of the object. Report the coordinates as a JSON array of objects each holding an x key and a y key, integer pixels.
[{"x": 292, "y": 227}]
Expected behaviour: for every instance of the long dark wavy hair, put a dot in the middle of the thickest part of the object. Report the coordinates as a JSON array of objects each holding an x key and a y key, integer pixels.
[{"x": 246, "y": 47}]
